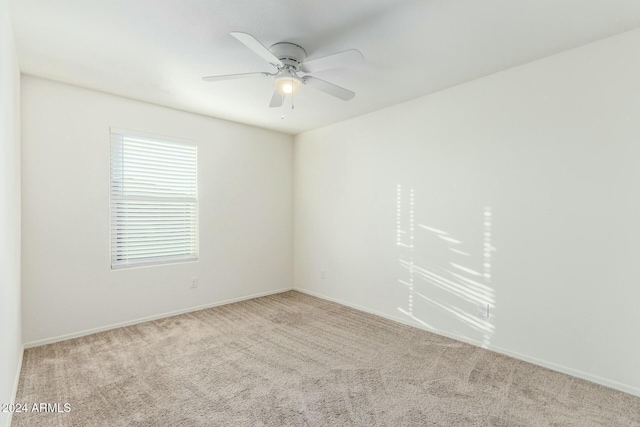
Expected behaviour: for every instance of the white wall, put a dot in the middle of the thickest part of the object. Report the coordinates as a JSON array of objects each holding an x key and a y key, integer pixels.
[
  {"x": 10, "y": 316},
  {"x": 552, "y": 148},
  {"x": 245, "y": 189}
]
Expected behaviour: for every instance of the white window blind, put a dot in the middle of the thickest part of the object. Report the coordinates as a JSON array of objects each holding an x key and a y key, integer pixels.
[{"x": 154, "y": 200}]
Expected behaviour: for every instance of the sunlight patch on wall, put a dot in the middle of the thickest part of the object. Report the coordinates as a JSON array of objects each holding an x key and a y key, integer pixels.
[{"x": 455, "y": 288}]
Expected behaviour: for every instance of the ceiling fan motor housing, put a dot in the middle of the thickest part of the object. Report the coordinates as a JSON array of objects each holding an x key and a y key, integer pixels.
[{"x": 291, "y": 55}]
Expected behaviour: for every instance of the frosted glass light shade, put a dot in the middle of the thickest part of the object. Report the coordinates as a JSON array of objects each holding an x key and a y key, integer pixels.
[{"x": 287, "y": 84}]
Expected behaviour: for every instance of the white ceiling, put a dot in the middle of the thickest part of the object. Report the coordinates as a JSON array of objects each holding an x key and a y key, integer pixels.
[{"x": 158, "y": 50}]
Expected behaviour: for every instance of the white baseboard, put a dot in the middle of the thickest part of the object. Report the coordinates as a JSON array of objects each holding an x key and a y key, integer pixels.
[
  {"x": 78, "y": 334},
  {"x": 545, "y": 364},
  {"x": 16, "y": 381}
]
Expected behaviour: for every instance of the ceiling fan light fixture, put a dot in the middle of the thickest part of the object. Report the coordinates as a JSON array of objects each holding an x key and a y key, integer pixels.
[
  {"x": 287, "y": 84},
  {"x": 288, "y": 59}
]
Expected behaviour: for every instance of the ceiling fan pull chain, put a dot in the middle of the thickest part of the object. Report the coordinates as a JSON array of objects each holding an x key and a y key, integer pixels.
[{"x": 292, "y": 92}]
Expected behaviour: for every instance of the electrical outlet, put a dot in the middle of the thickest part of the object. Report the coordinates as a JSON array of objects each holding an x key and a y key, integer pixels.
[
  {"x": 483, "y": 309},
  {"x": 194, "y": 282},
  {"x": 323, "y": 275}
]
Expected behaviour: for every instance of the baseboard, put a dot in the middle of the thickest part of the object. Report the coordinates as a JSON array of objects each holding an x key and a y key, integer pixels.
[
  {"x": 65, "y": 337},
  {"x": 16, "y": 381},
  {"x": 545, "y": 364}
]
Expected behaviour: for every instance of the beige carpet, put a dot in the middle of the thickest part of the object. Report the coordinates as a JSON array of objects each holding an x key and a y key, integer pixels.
[{"x": 291, "y": 359}]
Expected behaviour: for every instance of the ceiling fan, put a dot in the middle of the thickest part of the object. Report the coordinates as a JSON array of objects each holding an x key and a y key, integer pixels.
[{"x": 288, "y": 59}]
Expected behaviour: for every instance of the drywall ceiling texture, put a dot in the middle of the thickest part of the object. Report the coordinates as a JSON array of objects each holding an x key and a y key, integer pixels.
[
  {"x": 245, "y": 213},
  {"x": 158, "y": 51},
  {"x": 10, "y": 305},
  {"x": 519, "y": 189}
]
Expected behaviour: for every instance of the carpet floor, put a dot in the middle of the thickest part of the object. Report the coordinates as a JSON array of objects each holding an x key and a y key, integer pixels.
[{"x": 292, "y": 359}]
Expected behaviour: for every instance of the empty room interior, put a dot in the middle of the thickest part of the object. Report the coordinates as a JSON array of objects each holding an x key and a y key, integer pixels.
[{"x": 299, "y": 212}]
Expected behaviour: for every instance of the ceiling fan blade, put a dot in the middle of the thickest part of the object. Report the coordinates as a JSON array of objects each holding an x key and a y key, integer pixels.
[
  {"x": 329, "y": 88},
  {"x": 336, "y": 60},
  {"x": 233, "y": 76},
  {"x": 249, "y": 41},
  {"x": 276, "y": 99}
]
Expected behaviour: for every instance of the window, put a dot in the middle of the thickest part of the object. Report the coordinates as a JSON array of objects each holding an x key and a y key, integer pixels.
[{"x": 154, "y": 200}]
